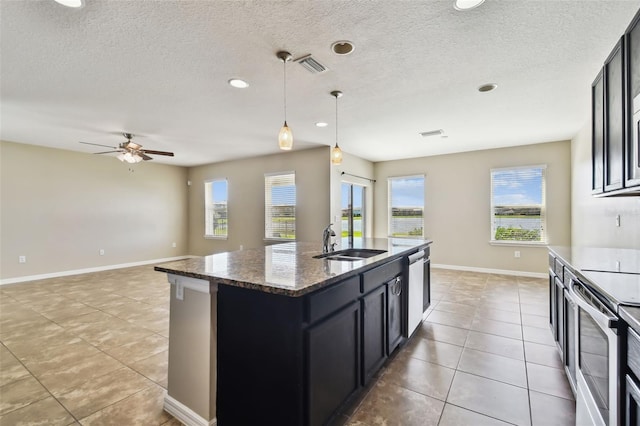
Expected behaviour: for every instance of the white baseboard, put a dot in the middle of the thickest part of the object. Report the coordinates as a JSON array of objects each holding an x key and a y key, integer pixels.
[
  {"x": 492, "y": 271},
  {"x": 185, "y": 414},
  {"x": 88, "y": 270}
]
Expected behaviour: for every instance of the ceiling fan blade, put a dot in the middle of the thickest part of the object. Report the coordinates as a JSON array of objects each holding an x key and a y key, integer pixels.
[
  {"x": 145, "y": 157},
  {"x": 107, "y": 152},
  {"x": 97, "y": 144},
  {"x": 150, "y": 151}
]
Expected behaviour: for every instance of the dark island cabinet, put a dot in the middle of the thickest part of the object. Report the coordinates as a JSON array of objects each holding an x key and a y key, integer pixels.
[
  {"x": 333, "y": 357},
  {"x": 426, "y": 290},
  {"x": 298, "y": 360},
  {"x": 374, "y": 332}
]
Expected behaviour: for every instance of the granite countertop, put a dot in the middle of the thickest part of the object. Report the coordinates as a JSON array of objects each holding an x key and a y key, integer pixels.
[
  {"x": 614, "y": 273},
  {"x": 287, "y": 268},
  {"x": 631, "y": 315},
  {"x": 600, "y": 259}
]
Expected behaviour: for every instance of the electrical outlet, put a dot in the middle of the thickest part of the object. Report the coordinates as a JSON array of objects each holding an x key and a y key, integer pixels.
[
  {"x": 101, "y": 252},
  {"x": 618, "y": 220},
  {"x": 180, "y": 291},
  {"x": 241, "y": 247},
  {"x": 516, "y": 254},
  {"x": 22, "y": 259},
  {"x": 173, "y": 245}
]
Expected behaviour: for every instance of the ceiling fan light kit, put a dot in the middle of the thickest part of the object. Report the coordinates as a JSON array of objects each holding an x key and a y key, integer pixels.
[
  {"x": 130, "y": 152},
  {"x": 71, "y": 3},
  {"x": 285, "y": 137}
]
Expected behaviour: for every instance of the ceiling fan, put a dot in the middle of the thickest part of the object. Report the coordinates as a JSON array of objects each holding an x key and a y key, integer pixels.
[{"x": 130, "y": 152}]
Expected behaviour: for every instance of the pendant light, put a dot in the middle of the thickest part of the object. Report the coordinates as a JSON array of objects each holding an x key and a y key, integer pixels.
[
  {"x": 285, "y": 137},
  {"x": 336, "y": 152}
]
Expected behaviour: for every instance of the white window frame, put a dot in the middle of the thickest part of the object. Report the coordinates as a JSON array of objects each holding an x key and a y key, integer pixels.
[
  {"x": 269, "y": 232},
  {"x": 209, "y": 206},
  {"x": 389, "y": 206},
  {"x": 543, "y": 209}
]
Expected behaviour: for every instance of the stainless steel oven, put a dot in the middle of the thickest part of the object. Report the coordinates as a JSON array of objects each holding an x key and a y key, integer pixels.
[{"x": 597, "y": 350}]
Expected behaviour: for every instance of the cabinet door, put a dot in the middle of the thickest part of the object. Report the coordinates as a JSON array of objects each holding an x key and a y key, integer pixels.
[
  {"x": 333, "y": 360},
  {"x": 615, "y": 133},
  {"x": 374, "y": 332},
  {"x": 632, "y": 151},
  {"x": 395, "y": 313},
  {"x": 559, "y": 289},
  {"x": 570, "y": 328},
  {"x": 597, "y": 142},
  {"x": 426, "y": 291},
  {"x": 632, "y": 402},
  {"x": 553, "y": 322}
]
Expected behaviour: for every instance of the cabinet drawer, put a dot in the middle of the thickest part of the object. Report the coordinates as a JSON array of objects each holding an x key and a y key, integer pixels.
[
  {"x": 633, "y": 352},
  {"x": 380, "y": 275},
  {"x": 568, "y": 276},
  {"x": 552, "y": 261},
  {"x": 324, "y": 302},
  {"x": 559, "y": 270}
]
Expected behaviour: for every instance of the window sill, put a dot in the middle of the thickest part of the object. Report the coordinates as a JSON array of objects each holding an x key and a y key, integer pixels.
[
  {"x": 279, "y": 240},
  {"x": 215, "y": 237},
  {"x": 519, "y": 243}
]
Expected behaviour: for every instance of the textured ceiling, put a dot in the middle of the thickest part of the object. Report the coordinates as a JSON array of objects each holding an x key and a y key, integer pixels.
[{"x": 159, "y": 69}]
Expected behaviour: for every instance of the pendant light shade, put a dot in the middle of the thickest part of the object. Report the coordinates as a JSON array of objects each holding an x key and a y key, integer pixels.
[
  {"x": 336, "y": 152},
  {"x": 285, "y": 137}
]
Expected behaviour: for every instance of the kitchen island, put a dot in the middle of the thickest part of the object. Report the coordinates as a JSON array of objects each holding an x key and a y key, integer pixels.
[{"x": 277, "y": 335}]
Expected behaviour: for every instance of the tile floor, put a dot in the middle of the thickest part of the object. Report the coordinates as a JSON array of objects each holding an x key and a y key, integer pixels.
[
  {"x": 483, "y": 356},
  {"x": 92, "y": 349}
]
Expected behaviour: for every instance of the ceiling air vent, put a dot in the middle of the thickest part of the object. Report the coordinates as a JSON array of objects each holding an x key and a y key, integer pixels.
[
  {"x": 438, "y": 132},
  {"x": 311, "y": 64}
]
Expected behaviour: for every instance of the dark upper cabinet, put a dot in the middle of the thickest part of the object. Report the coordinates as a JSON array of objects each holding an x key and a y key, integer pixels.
[
  {"x": 614, "y": 111},
  {"x": 632, "y": 61},
  {"x": 597, "y": 142}
]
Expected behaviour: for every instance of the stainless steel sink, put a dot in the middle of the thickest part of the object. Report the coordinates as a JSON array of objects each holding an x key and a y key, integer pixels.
[{"x": 350, "y": 255}]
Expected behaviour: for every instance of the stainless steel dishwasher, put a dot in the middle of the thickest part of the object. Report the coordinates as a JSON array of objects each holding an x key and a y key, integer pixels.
[{"x": 415, "y": 291}]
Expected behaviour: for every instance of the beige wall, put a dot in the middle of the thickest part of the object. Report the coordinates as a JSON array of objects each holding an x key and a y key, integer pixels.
[
  {"x": 246, "y": 198},
  {"x": 354, "y": 166},
  {"x": 457, "y": 204},
  {"x": 59, "y": 208},
  {"x": 594, "y": 219}
]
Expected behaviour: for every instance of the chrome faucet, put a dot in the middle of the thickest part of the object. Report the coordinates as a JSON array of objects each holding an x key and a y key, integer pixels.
[{"x": 327, "y": 246}]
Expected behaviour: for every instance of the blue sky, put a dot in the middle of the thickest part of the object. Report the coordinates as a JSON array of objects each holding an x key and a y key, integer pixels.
[
  {"x": 283, "y": 195},
  {"x": 407, "y": 192},
  {"x": 517, "y": 186},
  {"x": 357, "y": 195},
  {"x": 219, "y": 189}
]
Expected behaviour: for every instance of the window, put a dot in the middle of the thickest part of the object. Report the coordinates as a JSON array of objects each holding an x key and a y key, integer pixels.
[
  {"x": 280, "y": 206},
  {"x": 518, "y": 205},
  {"x": 353, "y": 214},
  {"x": 215, "y": 205},
  {"x": 406, "y": 206}
]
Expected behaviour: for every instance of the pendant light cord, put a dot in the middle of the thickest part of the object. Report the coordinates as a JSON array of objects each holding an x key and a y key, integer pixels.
[
  {"x": 284, "y": 64},
  {"x": 336, "y": 120}
]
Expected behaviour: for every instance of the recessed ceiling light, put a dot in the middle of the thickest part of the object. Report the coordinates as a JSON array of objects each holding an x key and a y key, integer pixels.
[
  {"x": 71, "y": 3},
  {"x": 466, "y": 4},
  {"x": 239, "y": 84},
  {"x": 321, "y": 124},
  {"x": 487, "y": 87},
  {"x": 342, "y": 47}
]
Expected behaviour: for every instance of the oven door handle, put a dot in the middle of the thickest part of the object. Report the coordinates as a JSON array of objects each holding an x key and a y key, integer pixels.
[{"x": 605, "y": 321}]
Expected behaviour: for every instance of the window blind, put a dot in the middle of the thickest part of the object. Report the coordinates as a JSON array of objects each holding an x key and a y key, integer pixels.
[
  {"x": 215, "y": 196},
  {"x": 518, "y": 204},
  {"x": 406, "y": 206},
  {"x": 280, "y": 206}
]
